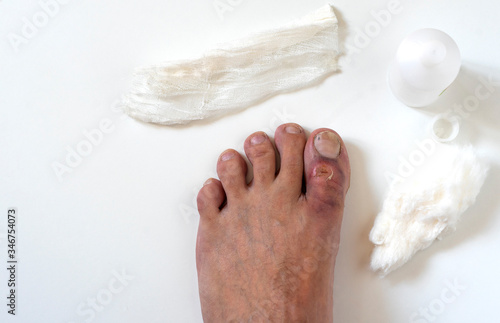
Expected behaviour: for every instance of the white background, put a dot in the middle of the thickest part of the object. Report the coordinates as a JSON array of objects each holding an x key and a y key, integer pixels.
[{"x": 127, "y": 208}]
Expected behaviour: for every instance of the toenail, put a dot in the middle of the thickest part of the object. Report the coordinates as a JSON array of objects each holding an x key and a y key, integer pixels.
[
  {"x": 227, "y": 156},
  {"x": 258, "y": 139},
  {"x": 327, "y": 144},
  {"x": 293, "y": 129},
  {"x": 208, "y": 181}
]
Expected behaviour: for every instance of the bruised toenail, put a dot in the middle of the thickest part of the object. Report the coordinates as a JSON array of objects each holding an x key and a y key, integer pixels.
[
  {"x": 327, "y": 144},
  {"x": 293, "y": 129},
  {"x": 258, "y": 139},
  {"x": 227, "y": 156}
]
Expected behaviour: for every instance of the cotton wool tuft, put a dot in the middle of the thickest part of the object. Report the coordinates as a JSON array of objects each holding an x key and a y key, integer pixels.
[{"x": 425, "y": 208}]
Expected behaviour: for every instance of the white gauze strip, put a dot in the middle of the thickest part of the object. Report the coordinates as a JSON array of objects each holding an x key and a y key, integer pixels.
[
  {"x": 425, "y": 208},
  {"x": 239, "y": 74}
]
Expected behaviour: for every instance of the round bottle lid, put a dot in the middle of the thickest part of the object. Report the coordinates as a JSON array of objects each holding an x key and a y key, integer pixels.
[{"x": 444, "y": 128}]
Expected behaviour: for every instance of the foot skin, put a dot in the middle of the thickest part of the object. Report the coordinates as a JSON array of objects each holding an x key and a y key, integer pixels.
[{"x": 266, "y": 250}]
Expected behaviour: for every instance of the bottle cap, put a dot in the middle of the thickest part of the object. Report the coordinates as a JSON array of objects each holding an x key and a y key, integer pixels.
[
  {"x": 426, "y": 63},
  {"x": 444, "y": 128}
]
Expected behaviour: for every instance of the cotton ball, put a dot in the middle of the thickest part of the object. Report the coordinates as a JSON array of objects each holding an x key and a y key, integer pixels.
[{"x": 425, "y": 208}]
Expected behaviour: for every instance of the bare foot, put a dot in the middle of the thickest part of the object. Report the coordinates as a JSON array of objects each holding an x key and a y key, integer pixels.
[{"x": 266, "y": 251}]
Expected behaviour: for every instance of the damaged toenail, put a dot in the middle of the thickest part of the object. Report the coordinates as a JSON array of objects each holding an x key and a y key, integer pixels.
[
  {"x": 327, "y": 144},
  {"x": 292, "y": 129},
  {"x": 227, "y": 156},
  {"x": 258, "y": 139}
]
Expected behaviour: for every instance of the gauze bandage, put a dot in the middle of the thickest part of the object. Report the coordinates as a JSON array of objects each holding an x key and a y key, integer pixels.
[
  {"x": 239, "y": 74},
  {"x": 425, "y": 208}
]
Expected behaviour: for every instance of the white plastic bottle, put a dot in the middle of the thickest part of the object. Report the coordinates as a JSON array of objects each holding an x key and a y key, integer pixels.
[{"x": 427, "y": 62}]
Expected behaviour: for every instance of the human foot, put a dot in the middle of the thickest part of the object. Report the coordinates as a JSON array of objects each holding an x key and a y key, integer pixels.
[{"x": 266, "y": 250}]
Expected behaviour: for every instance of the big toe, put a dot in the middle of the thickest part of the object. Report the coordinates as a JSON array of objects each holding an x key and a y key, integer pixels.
[{"x": 327, "y": 170}]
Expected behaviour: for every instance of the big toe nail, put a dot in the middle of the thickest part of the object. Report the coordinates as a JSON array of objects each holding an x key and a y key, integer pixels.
[{"x": 327, "y": 144}]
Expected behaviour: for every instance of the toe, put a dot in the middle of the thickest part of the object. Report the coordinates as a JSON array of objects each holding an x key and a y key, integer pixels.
[
  {"x": 290, "y": 140},
  {"x": 210, "y": 198},
  {"x": 327, "y": 170},
  {"x": 232, "y": 170},
  {"x": 260, "y": 152}
]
